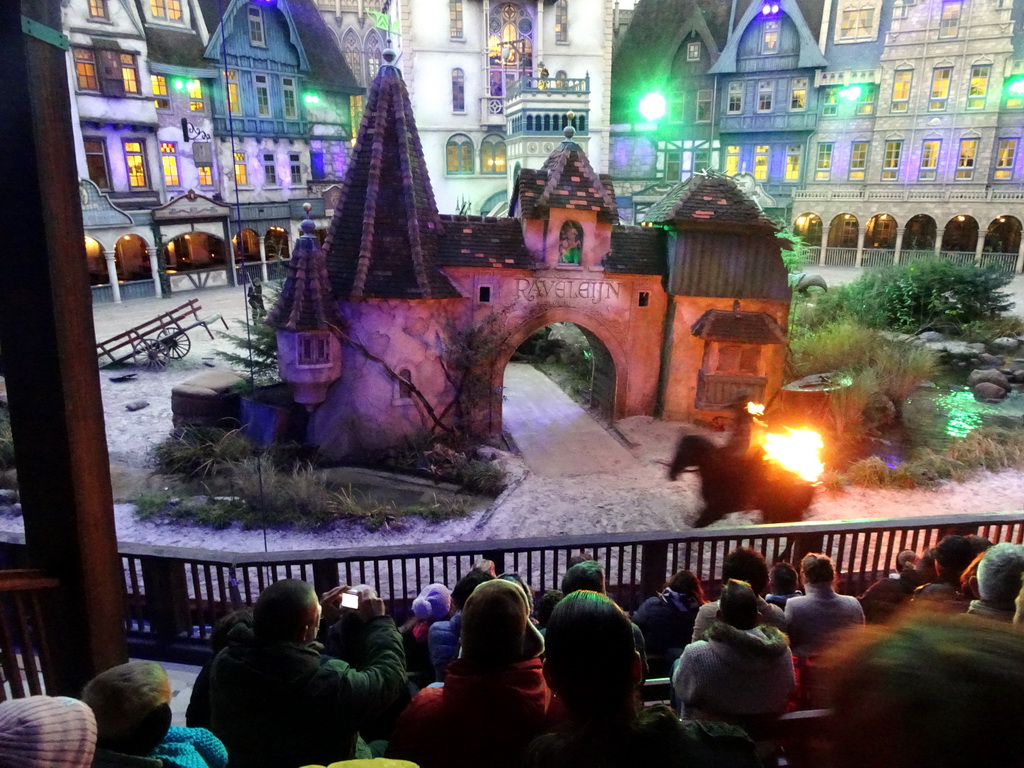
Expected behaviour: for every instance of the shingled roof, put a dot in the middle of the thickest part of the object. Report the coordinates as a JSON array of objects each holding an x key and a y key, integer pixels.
[
  {"x": 739, "y": 327},
  {"x": 709, "y": 198},
  {"x": 566, "y": 180},
  {"x": 383, "y": 239},
  {"x": 305, "y": 303},
  {"x": 477, "y": 241},
  {"x": 637, "y": 251}
]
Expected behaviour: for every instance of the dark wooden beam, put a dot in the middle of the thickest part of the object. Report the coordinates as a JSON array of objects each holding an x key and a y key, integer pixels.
[{"x": 48, "y": 343}]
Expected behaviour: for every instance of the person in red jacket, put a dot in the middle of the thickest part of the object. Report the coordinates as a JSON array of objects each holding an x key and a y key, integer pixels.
[{"x": 494, "y": 700}]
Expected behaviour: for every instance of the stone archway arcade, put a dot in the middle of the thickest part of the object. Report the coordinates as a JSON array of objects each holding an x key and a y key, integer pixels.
[{"x": 849, "y": 239}]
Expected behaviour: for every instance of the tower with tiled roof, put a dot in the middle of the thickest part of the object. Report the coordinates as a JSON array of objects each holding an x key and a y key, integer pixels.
[
  {"x": 383, "y": 250},
  {"x": 728, "y": 293},
  {"x": 383, "y": 239},
  {"x": 307, "y": 322}
]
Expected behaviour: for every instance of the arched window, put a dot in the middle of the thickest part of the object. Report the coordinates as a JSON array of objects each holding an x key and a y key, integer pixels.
[
  {"x": 459, "y": 154},
  {"x": 509, "y": 45},
  {"x": 492, "y": 155},
  {"x": 374, "y": 46},
  {"x": 562, "y": 21},
  {"x": 458, "y": 90},
  {"x": 353, "y": 54}
]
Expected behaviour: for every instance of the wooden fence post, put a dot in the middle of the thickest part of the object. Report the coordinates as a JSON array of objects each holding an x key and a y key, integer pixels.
[
  {"x": 653, "y": 569},
  {"x": 167, "y": 604}
]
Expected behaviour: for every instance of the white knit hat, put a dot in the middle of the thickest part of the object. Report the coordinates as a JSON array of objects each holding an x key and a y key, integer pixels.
[{"x": 42, "y": 732}]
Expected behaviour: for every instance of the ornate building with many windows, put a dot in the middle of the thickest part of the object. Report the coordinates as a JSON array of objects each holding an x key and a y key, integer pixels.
[
  {"x": 199, "y": 138},
  {"x": 491, "y": 81},
  {"x": 883, "y": 130}
]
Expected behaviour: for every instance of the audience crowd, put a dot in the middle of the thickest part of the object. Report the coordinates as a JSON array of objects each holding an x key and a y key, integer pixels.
[{"x": 489, "y": 673}]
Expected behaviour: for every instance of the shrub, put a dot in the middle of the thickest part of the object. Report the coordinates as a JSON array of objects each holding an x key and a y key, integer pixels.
[
  {"x": 934, "y": 294},
  {"x": 256, "y": 353},
  {"x": 200, "y": 452}
]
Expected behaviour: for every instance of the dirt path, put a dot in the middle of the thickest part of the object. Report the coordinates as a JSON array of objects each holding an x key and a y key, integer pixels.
[{"x": 557, "y": 438}]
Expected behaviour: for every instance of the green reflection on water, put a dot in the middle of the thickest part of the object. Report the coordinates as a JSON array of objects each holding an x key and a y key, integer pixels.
[{"x": 963, "y": 413}]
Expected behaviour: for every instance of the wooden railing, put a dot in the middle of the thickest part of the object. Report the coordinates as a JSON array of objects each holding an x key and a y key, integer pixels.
[
  {"x": 24, "y": 650},
  {"x": 174, "y": 595}
]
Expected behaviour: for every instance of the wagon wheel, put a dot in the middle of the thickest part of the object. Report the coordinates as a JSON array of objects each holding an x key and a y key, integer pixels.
[
  {"x": 176, "y": 342},
  {"x": 150, "y": 353}
]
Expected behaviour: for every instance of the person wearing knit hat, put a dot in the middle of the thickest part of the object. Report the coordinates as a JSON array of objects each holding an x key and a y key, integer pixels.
[
  {"x": 44, "y": 731},
  {"x": 497, "y": 680},
  {"x": 433, "y": 604},
  {"x": 132, "y": 704}
]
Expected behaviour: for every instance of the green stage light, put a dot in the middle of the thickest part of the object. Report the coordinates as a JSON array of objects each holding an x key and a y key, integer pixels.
[
  {"x": 851, "y": 94},
  {"x": 179, "y": 84},
  {"x": 311, "y": 98},
  {"x": 1017, "y": 86},
  {"x": 652, "y": 106}
]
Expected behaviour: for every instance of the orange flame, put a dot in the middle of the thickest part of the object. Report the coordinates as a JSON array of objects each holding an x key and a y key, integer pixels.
[
  {"x": 798, "y": 450},
  {"x": 755, "y": 409}
]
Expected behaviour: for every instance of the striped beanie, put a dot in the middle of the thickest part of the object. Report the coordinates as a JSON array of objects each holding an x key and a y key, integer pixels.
[{"x": 43, "y": 731}]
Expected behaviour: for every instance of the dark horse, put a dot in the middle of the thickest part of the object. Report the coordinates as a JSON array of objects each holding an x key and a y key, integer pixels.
[{"x": 733, "y": 482}]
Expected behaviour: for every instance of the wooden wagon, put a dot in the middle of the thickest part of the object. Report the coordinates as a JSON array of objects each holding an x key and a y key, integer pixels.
[{"x": 153, "y": 343}]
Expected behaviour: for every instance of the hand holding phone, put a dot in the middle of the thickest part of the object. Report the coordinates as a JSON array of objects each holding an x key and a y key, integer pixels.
[{"x": 349, "y": 600}]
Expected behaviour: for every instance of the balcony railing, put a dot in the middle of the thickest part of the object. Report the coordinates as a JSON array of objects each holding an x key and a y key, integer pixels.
[
  {"x": 921, "y": 194},
  {"x": 801, "y": 121},
  {"x": 174, "y": 595},
  {"x": 24, "y": 649},
  {"x": 553, "y": 85}
]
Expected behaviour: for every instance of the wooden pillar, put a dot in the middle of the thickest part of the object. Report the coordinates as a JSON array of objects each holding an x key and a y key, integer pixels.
[{"x": 46, "y": 327}]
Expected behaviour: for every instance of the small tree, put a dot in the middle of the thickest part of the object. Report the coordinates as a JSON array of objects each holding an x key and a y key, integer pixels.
[{"x": 255, "y": 351}]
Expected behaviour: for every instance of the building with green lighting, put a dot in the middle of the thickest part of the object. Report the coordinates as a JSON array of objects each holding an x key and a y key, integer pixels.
[
  {"x": 883, "y": 130},
  {"x": 199, "y": 138}
]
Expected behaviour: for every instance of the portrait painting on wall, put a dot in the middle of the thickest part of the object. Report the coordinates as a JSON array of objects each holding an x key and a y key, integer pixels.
[{"x": 570, "y": 242}]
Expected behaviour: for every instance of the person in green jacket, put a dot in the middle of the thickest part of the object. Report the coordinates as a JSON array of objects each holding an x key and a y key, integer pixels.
[{"x": 276, "y": 702}]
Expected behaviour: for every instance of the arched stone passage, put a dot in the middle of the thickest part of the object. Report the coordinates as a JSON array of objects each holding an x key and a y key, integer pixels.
[
  {"x": 247, "y": 245},
  {"x": 610, "y": 382},
  {"x": 960, "y": 235},
  {"x": 807, "y": 227},
  {"x": 1003, "y": 235},
  {"x": 131, "y": 255},
  {"x": 276, "y": 243},
  {"x": 195, "y": 250},
  {"x": 97, "y": 264},
  {"x": 920, "y": 233},
  {"x": 881, "y": 232},
  {"x": 842, "y": 232}
]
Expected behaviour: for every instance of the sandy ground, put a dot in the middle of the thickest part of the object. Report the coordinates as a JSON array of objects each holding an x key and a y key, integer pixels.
[{"x": 593, "y": 483}]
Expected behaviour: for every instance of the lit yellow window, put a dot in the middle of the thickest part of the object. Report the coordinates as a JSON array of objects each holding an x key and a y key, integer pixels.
[
  {"x": 129, "y": 73},
  {"x": 234, "y": 102},
  {"x": 195, "y": 96},
  {"x": 761, "y": 163},
  {"x": 205, "y": 176},
  {"x": 136, "y": 162},
  {"x": 169, "y": 159},
  {"x": 241, "y": 172},
  {"x": 732, "y": 160},
  {"x": 1005, "y": 159},
  {"x": 793, "y": 163}
]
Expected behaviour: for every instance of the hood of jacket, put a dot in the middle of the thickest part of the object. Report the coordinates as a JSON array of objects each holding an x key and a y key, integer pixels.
[
  {"x": 764, "y": 645},
  {"x": 513, "y": 690}
]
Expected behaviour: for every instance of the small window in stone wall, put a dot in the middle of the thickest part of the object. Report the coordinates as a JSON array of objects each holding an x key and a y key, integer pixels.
[
  {"x": 485, "y": 294},
  {"x": 738, "y": 358},
  {"x": 405, "y": 385},
  {"x": 314, "y": 349},
  {"x": 645, "y": 299},
  {"x": 570, "y": 243}
]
